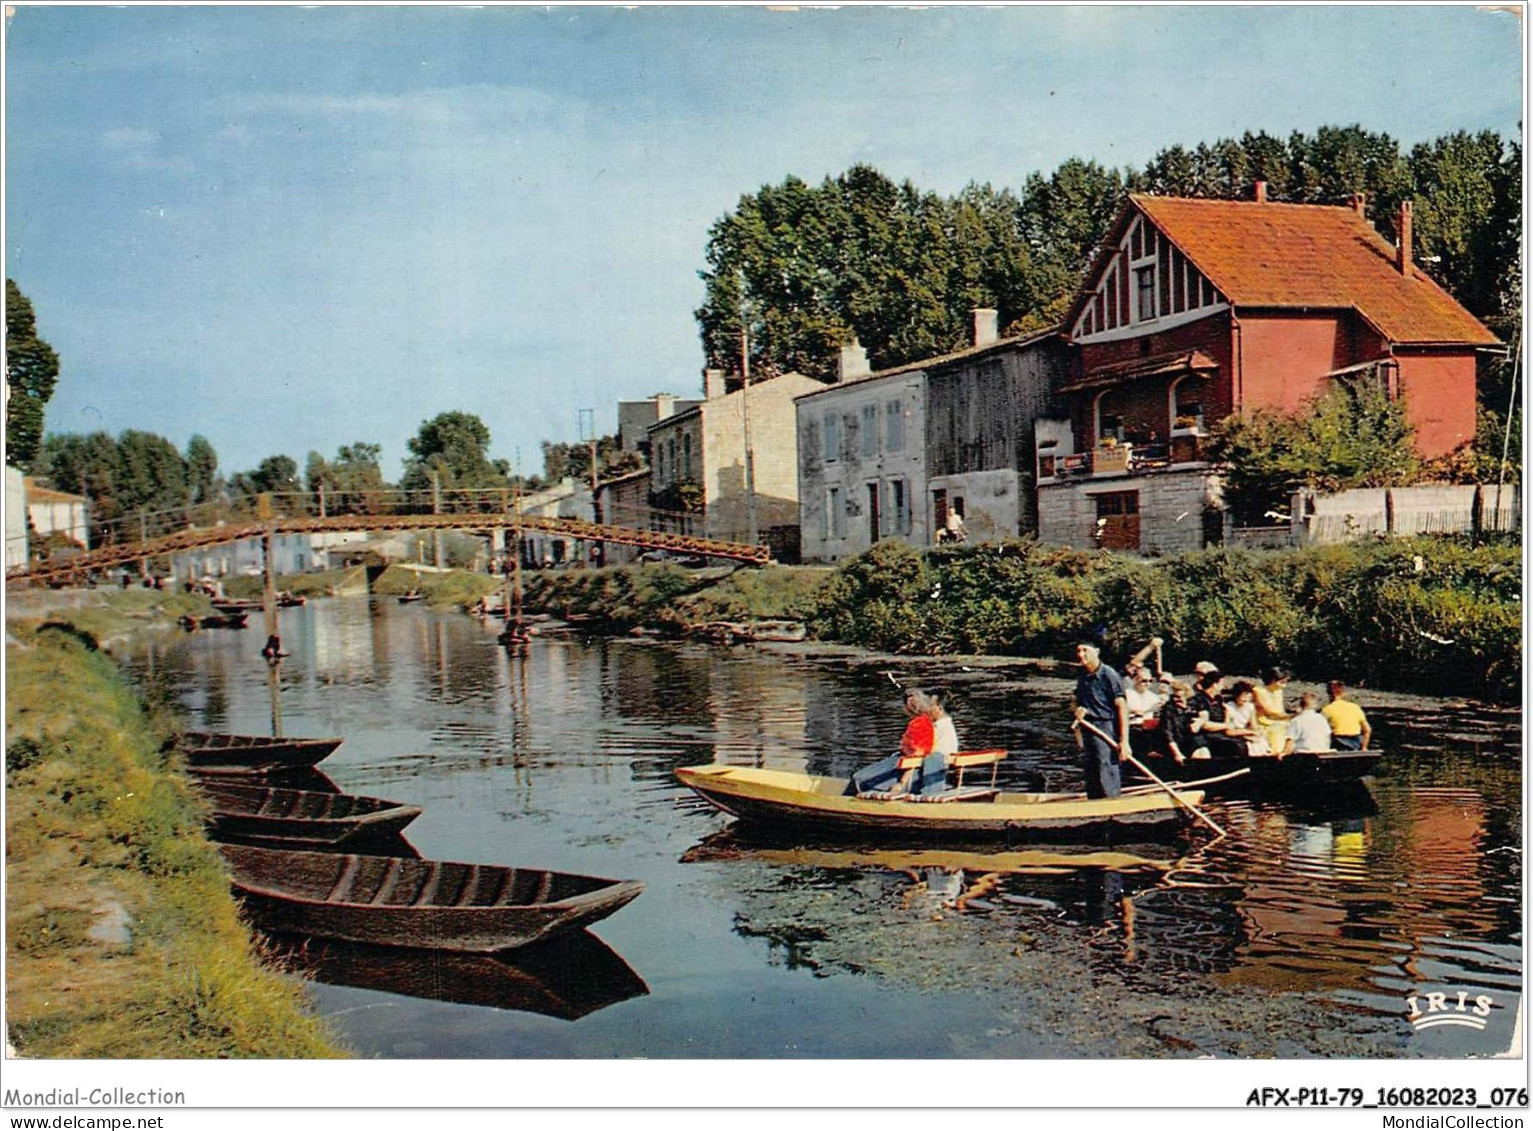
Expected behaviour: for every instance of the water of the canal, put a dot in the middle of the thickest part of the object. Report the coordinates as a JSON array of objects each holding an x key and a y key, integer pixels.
[{"x": 1300, "y": 934}]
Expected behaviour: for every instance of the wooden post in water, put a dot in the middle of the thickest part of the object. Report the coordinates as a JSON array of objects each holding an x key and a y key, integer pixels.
[
  {"x": 274, "y": 687},
  {"x": 269, "y": 597}
]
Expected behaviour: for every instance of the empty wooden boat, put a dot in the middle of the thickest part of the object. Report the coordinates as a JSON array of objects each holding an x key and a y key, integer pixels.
[
  {"x": 776, "y": 797},
  {"x": 295, "y": 818},
  {"x": 235, "y": 604},
  {"x": 411, "y": 597},
  {"x": 429, "y": 904},
  {"x": 208, "y": 753}
]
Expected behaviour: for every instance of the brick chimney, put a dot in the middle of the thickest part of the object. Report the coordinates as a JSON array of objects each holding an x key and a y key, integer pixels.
[
  {"x": 713, "y": 384},
  {"x": 1261, "y": 192},
  {"x": 986, "y": 328},
  {"x": 852, "y": 362},
  {"x": 1360, "y": 204},
  {"x": 1403, "y": 239}
]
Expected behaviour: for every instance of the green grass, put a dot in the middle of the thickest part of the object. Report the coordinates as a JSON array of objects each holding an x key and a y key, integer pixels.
[
  {"x": 119, "y": 613},
  {"x": 443, "y": 590},
  {"x": 299, "y": 584},
  {"x": 101, "y": 828}
]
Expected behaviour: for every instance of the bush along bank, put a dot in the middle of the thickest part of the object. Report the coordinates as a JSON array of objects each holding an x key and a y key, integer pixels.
[
  {"x": 122, "y": 938},
  {"x": 671, "y": 599},
  {"x": 1435, "y": 615}
]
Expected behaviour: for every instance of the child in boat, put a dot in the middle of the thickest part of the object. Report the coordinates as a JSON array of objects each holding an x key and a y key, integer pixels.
[{"x": 902, "y": 772}]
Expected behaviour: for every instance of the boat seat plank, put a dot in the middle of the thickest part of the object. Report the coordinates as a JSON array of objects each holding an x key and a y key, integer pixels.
[
  {"x": 968, "y": 793},
  {"x": 343, "y": 883}
]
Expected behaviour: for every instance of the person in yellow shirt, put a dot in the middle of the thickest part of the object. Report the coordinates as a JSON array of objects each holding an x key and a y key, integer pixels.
[{"x": 1349, "y": 726}]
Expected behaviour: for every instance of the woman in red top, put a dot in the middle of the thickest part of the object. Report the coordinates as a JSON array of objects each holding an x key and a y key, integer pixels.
[{"x": 906, "y": 771}]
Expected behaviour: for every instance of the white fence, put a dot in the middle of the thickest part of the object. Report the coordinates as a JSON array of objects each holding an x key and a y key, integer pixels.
[{"x": 1402, "y": 511}]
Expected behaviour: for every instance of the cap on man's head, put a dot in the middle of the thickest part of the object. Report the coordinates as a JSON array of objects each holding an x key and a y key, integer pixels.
[{"x": 1203, "y": 667}]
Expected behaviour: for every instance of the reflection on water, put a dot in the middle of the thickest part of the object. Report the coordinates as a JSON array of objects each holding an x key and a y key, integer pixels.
[{"x": 1333, "y": 908}]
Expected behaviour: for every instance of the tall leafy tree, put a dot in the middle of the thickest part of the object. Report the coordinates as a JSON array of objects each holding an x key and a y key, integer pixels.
[
  {"x": 1064, "y": 217},
  {"x": 455, "y": 447},
  {"x": 202, "y": 470},
  {"x": 31, "y": 371},
  {"x": 350, "y": 481},
  {"x": 86, "y": 465}
]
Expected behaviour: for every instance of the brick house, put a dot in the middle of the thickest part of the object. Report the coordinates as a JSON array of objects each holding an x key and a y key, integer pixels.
[
  {"x": 1196, "y": 309},
  {"x": 704, "y": 447}
]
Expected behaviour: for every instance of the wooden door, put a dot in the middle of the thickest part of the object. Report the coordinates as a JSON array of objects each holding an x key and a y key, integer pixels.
[{"x": 1118, "y": 520}]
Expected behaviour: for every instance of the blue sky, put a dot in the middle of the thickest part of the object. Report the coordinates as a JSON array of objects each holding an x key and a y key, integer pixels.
[{"x": 292, "y": 228}]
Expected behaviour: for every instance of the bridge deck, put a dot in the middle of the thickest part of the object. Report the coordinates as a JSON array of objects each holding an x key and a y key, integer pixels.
[{"x": 106, "y": 557}]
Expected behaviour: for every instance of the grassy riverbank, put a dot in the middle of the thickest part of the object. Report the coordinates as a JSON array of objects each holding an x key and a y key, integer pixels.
[
  {"x": 454, "y": 588},
  {"x": 122, "y": 939},
  {"x": 669, "y": 597},
  {"x": 111, "y": 616},
  {"x": 1431, "y": 614},
  {"x": 320, "y": 584}
]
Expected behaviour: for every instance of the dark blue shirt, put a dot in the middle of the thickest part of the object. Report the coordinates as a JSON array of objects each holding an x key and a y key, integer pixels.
[{"x": 1096, "y": 691}]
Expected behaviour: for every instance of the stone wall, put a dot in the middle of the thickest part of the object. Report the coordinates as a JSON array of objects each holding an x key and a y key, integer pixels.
[
  {"x": 993, "y": 502},
  {"x": 1171, "y": 510}
]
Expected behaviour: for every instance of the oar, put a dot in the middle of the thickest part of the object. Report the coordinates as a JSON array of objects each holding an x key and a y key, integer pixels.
[{"x": 1149, "y": 773}]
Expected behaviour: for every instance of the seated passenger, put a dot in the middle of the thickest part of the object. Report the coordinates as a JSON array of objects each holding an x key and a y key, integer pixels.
[
  {"x": 1175, "y": 736},
  {"x": 1308, "y": 732},
  {"x": 1241, "y": 717},
  {"x": 1272, "y": 717},
  {"x": 945, "y": 740},
  {"x": 1145, "y": 698},
  {"x": 1209, "y": 723},
  {"x": 1349, "y": 726},
  {"x": 917, "y": 767}
]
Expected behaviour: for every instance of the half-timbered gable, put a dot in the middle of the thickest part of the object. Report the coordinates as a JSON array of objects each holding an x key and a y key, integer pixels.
[{"x": 1142, "y": 282}]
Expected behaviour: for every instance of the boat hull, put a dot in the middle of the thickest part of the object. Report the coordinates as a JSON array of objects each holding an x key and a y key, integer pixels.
[
  {"x": 767, "y": 797},
  {"x": 252, "y": 754},
  {"x": 291, "y": 818},
  {"x": 1299, "y": 773},
  {"x": 427, "y": 904}
]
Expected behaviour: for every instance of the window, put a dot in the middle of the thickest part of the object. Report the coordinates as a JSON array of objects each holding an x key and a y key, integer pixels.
[
  {"x": 830, "y": 438},
  {"x": 835, "y": 514},
  {"x": 869, "y": 429},
  {"x": 670, "y": 455},
  {"x": 686, "y": 456},
  {"x": 899, "y": 506},
  {"x": 894, "y": 426},
  {"x": 1144, "y": 279}
]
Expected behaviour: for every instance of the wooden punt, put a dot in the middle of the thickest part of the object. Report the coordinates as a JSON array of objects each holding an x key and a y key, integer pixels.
[
  {"x": 235, "y": 604},
  {"x": 1031, "y": 862},
  {"x": 1291, "y": 773},
  {"x": 214, "y": 620},
  {"x": 291, "y": 600},
  {"x": 208, "y": 753},
  {"x": 777, "y": 797},
  {"x": 295, "y": 818},
  {"x": 410, "y": 598},
  {"x": 568, "y": 976},
  {"x": 428, "y": 904}
]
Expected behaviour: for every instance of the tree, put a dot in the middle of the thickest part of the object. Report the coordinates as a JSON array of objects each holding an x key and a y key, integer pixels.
[
  {"x": 1064, "y": 217},
  {"x": 85, "y": 465},
  {"x": 31, "y": 371},
  {"x": 151, "y": 481},
  {"x": 574, "y": 460},
  {"x": 453, "y": 446},
  {"x": 349, "y": 481},
  {"x": 1352, "y": 436},
  {"x": 202, "y": 470}
]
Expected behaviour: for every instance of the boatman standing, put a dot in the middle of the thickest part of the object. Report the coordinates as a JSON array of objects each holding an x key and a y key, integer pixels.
[{"x": 1100, "y": 701}]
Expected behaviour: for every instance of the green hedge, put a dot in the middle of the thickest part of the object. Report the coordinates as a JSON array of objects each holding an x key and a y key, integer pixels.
[{"x": 1429, "y": 614}]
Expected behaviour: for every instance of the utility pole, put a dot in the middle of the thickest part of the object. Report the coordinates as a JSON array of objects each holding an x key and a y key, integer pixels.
[
  {"x": 436, "y": 508},
  {"x": 753, "y": 535},
  {"x": 587, "y": 426}
]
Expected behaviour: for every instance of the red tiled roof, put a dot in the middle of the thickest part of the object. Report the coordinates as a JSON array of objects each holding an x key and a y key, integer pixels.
[
  {"x": 1194, "y": 361},
  {"x": 1308, "y": 255}
]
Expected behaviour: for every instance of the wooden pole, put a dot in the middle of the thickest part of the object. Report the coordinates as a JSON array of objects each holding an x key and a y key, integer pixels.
[
  {"x": 436, "y": 508},
  {"x": 269, "y": 594},
  {"x": 1147, "y": 772}
]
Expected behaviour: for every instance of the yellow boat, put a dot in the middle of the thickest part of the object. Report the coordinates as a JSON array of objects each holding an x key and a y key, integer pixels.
[{"x": 776, "y": 797}]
